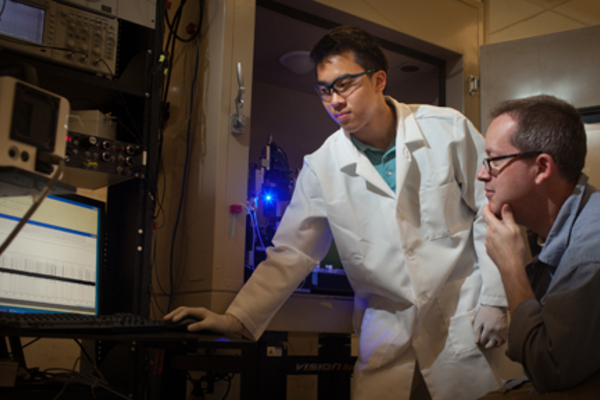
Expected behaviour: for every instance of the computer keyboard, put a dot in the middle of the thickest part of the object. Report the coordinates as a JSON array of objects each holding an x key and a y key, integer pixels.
[{"x": 123, "y": 323}]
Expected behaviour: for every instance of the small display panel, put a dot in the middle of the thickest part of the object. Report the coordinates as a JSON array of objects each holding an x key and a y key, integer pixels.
[
  {"x": 35, "y": 115},
  {"x": 23, "y": 21}
]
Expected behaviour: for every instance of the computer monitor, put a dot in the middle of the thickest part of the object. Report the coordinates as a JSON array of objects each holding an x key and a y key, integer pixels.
[{"x": 54, "y": 263}]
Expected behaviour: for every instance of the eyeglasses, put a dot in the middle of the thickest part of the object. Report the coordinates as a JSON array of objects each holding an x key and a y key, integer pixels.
[
  {"x": 345, "y": 85},
  {"x": 487, "y": 162}
]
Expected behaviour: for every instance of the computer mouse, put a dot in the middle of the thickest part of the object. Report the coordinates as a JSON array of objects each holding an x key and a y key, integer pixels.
[{"x": 180, "y": 325}]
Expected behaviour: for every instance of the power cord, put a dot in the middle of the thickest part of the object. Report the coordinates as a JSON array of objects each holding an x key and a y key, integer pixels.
[{"x": 48, "y": 158}]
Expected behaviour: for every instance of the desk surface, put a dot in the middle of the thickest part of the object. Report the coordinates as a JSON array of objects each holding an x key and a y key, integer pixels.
[{"x": 148, "y": 339}]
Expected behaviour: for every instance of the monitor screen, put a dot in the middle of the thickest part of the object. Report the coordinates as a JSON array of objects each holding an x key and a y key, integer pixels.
[
  {"x": 53, "y": 264},
  {"x": 35, "y": 115},
  {"x": 23, "y": 21}
]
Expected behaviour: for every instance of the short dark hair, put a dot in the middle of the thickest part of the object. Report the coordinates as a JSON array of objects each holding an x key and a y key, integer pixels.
[
  {"x": 367, "y": 51},
  {"x": 550, "y": 125}
]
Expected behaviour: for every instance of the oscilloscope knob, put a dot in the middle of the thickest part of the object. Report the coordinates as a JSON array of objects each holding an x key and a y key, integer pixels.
[{"x": 131, "y": 149}]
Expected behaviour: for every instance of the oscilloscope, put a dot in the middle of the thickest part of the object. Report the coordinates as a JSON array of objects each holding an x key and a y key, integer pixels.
[{"x": 60, "y": 33}]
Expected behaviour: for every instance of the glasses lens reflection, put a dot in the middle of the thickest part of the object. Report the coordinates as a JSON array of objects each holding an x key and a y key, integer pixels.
[{"x": 344, "y": 86}]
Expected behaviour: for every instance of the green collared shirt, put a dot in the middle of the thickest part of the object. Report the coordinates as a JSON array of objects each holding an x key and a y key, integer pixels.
[{"x": 384, "y": 161}]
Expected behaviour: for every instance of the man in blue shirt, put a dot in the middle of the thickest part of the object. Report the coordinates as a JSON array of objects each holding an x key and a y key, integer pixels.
[{"x": 533, "y": 177}]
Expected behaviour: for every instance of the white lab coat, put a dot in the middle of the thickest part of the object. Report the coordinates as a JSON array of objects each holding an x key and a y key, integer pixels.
[{"x": 417, "y": 272}]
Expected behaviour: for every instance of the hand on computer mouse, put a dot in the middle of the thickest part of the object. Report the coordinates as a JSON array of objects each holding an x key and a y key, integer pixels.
[{"x": 206, "y": 320}]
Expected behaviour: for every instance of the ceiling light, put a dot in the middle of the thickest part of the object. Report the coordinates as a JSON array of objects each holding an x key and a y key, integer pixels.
[{"x": 298, "y": 62}]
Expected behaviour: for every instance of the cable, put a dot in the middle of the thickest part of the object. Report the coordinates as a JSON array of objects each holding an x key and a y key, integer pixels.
[
  {"x": 169, "y": 56},
  {"x": 161, "y": 199},
  {"x": 210, "y": 378},
  {"x": 254, "y": 222},
  {"x": 136, "y": 135},
  {"x": 72, "y": 376},
  {"x": 89, "y": 358},
  {"x": 68, "y": 380},
  {"x": 170, "y": 48},
  {"x": 25, "y": 345},
  {"x": 228, "y": 378},
  {"x": 155, "y": 270},
  {"x": 196, "y": 33},
  {"x": 184, "y": 176},
  {"x": 258, "y": 233},
  {"x": 61, "y": 166},
  {"x": 41, "y": 46},
  {"x": 173, "y": 37}
]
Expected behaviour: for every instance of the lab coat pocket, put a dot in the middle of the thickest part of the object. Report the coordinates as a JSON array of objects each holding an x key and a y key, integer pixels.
[
  {"x": 382, "y": 338},
  {"x": 460, "y": 334},
  {"x": 443, "y": 212}
]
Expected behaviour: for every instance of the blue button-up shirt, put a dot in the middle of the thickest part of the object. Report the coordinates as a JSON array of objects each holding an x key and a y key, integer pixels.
[{"x": 555, "y": 337}]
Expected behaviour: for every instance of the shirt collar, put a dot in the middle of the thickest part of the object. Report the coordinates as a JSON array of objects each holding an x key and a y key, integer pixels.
[
  {"x": 365, "y": 147},
  {"x": 407, "y": 133},
  {"x": 560, "y": 233}
]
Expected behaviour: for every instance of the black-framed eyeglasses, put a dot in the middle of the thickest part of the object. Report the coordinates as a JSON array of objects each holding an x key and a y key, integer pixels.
[
  {"x": 345, "y": 85},
  {"x": 487, "y": 162}
]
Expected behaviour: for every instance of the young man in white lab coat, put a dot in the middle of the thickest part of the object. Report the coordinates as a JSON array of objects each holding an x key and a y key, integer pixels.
[{"x": 396, "y": 187}]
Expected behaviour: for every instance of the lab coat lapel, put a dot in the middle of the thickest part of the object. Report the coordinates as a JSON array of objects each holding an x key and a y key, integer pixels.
[
  {"x": 408, "y": 138},
  {"x": 354, "y": 162},
  {"x": 375, "y": 182}
]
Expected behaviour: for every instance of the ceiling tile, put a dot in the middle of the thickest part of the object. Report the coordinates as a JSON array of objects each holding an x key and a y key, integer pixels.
[
  {"x": 505, "y": 13},
  {"x": 542, "y": 24},
  {"x": 586, "y": 11},
  {"x": 549, "y": 4}
]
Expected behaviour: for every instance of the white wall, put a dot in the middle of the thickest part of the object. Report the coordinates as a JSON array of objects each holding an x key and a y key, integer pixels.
[{"x": 562, "y": 64}]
